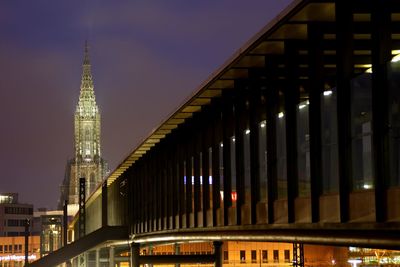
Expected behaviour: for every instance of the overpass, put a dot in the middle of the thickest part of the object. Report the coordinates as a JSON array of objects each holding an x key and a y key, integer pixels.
[{"x": 294, "y": 139}]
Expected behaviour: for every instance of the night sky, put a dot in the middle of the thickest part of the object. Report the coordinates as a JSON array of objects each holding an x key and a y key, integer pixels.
[{"x": 147, "y": 58}]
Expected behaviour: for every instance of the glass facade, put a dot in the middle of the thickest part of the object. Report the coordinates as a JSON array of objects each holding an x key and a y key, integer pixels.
[
  {"x": 246, "y": 158},
  {"x": 221, "y": 173},
  {"x": 281, "y": 155},
  {"x": 329, "y": 142},
  {"x": 210, "y": 179},
  {"x": 232, "y": 146},
  {"x": 303, "y": 149},
  {"x": 262, "y": 160},
  {"x": 361, "y": 132},
  {"x": 394, "y": 121}
]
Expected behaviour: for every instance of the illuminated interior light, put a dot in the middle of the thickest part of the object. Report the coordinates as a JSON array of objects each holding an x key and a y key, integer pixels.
[
  {"x": 302, "y": 106},
  {"x": 262, "y": 125},
  {"x": 367, "y": 186},
  {"x": 354, "y": 262},
  {"x": 247, "y": 131},
  {"x": 368, "y": 70},
  {"x": 396, "y": 58},
  {"x": 221, "y": 145},
  {"x": 233, "y": 139},
  {"x": 281, "y": 114},
  {"x": 328, "y": 92}
]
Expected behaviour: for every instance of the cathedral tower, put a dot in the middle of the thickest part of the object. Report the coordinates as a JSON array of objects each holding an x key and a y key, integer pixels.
[{"x": 87, "y": 162}]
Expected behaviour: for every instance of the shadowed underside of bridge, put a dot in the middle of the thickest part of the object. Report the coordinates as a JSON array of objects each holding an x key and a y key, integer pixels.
[{"x": 295, "y": 139}]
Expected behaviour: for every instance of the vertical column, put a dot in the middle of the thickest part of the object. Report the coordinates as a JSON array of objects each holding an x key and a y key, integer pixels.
[
  {"x": 189, "y": 166},
  {"x": 135, "y": 252},
  {"x": 227, "y": 132},
  {"x": 271, "y": 113},
  {"x": 27, "y": 224},
  {"x": 344, "y": 72},
  {"x": 174, "y": 177},
  {"x": 97, "y": 257},
  {"x": 218, "y": 253},
  {"x": 177, "y": 252},
  {"x": 86, "y": 258},
  {"x": 291, "y": 93},
  {"x": 111, "y": 257},
  {"x": 239, "y": 125},
  {"x": 298, "y": 255},
  {"x": 104, "y": 204},
  {"x": 254, "y": 117},
  {"x": 316, "y": 66},
  {"x": 381, "y": 55},
  {"x": 65, "y": 223},
  {"x": 196, "y": 167},
  {"x": 206, "y": 140},
  {"x": 82, "y": 209},
  {"x": 216, "y": 172}
]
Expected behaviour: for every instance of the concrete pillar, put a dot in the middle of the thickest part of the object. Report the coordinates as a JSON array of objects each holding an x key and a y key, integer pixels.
[
  {"x": 87, "y": 259},
  {"x": 135, "y": 252},
  {"x": 97, "y": 257},
  {"x": 177, "y": 252},
  {"x": 111, "y": 259},
  {"x": 218, "y": 253}
]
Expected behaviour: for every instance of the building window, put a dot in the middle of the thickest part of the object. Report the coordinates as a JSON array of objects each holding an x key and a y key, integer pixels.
[
  {"x": 264, "y": 255},
  {"x": 276, "y": 256},
  {"x": 226, "y": 255},
  {"x": 9, "y": 248},
  {"x": 242, "y": 256},
  {"x": 1, "y": 248},
  {"x": 253, "y": 256},
  {"x": 287, "y": 255}
]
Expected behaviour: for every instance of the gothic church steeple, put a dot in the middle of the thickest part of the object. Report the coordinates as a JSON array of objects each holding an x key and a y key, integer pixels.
[{"x": 87, "y": 162}]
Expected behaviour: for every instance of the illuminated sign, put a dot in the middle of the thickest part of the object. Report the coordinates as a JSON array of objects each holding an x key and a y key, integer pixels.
[{"x": 17, "y": 257}]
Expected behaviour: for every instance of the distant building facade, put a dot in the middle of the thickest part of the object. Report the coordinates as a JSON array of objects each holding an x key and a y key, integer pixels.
[
  {"x": 13, "y": 215},
  {"x": 12, "y": 250},
  {"x": 87, "y": 162}
]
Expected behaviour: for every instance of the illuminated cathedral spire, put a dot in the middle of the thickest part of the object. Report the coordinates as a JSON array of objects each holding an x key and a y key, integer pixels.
[
  {"x": 87, "y": 116},
  {"x": 87, "y": 162}
]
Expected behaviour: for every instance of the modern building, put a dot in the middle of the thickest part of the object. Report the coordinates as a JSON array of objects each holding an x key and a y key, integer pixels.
[
  {"x": 295, "y": 139},
  {"x": 13, "y": 215},
  {"x": 88, "y": 162},
  {"x": 48, "y": 224},
  {"x": 12, "y": 250}
]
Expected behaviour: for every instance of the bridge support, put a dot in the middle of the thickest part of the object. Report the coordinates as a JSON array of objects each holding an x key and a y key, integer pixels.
[
  {"x": 298, "y": 255},
  {"x": 177, "y": 252},
  {"x": 218, "y": 253},
  {"x": 97, "y": 257},
  {"x": 111, "y": 260},
  {"x": 135, "y": 253}
]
